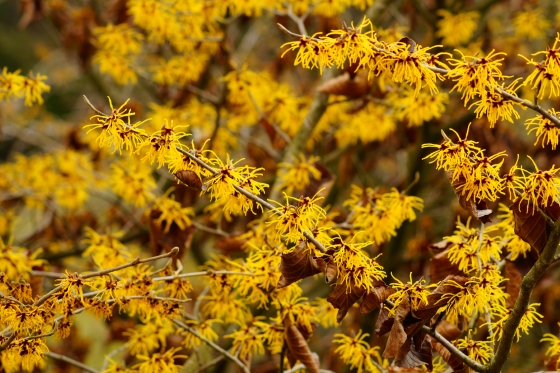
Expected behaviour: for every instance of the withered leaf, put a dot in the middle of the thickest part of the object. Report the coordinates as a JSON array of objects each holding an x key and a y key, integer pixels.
[
  {"x": 347, "y": 85},
  {"x": 397, "y": 336},
  {"x": 551, "y": 364},
  {"x": 297, "y": 265},
  {"x": 453, "y": 361},
  {"x": 440, "y": 246},
  {"x": 448, "y": 330},
  {"x": 376, "y": 297},
  {"x": 395, "y": 369},
  {"x": 476, "y": 208},
  {"x": 530, "y": 225},
  {"x": 229, "y": 244},
  {"x": 435, "y": 298},
  {"x": 189, "y": 178},
  {"x": 513, "y": 284},
  {"x": 419, "y": 352},
  {"x": 165, "y": 241},
  {"x": 408, "y": 41},
  {"x": 328, "y": 267},
  {"x": 343, "y": 297},
  {"x": 298, "y": 346},
  {"x": 384, "y": 323},
  {"x": 441, "y": 267}
]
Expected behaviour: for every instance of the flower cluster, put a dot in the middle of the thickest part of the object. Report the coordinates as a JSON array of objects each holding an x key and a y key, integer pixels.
[
  {"x": 14, "y": 85},
  {"x": 378, "y": 215}
]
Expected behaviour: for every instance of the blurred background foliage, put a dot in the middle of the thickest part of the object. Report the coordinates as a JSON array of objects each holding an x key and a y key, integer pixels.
[{"x": 38, "y": 36}]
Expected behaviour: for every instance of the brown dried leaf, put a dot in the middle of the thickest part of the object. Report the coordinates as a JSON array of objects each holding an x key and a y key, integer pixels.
[
  {"x": 448, "y": 330},
  {"x": 190, "y": 179},
  {"x": 384, "y": 323},
  {"x": 513, "y": 284},
  {"x": 165, "y": 241},
  {"x": 530, "y": 225},
  {"x": 397, "y": 336},
  {"x": 230, "y": 244},
  {"x": 297, "y": 265},
  {"x": 376, "y": 297},
  {"x": 328, "y": 267},
  {"x": 416, "y": 352},
  {"x": 439, "y": 246},
  {"x": 31, "y": 10},
  {"x": 478, "y": 209},
  {"x": 552, "y": 363},
  {"x": 347, "y": 85},
  {"x": 435, "y": 300},
  {"x": 298, "y": 347},
  {"x": 411, "y": 43},
  {"x": 441, "y": 267},
  {"x": 453, "y": 361},
  {"x": 395, "y": 369},
  {"x": 342, "y": 298}
]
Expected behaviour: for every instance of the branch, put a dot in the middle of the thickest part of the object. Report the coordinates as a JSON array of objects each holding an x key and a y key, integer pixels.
[
  {"x": 68, "y": 360},
  {"x": 315, "y": 112},
  {"x": 213, "y": 345},
  {"x": 210, "y": 363},
  {"x": 439, "y": 70},
  {"x": 201, "y": 273},
  {"x": 454, "y": 350},
  {"x": 136, "y": 261},
  {"x": 546, "y": 258}
]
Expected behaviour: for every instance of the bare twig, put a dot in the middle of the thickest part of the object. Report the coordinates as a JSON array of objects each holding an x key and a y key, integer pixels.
[
  {"x": 210, "y": 364},
  {"x": 136, "y": 261},
  {"x": 315, "y": 112},
  {"x": 213, "y": 345},
  {"x": 68, "y": 360},
  {"x": 201, "y": 273}
]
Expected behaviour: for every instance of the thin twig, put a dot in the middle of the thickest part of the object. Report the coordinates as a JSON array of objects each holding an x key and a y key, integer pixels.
[
  {"x": 204, "y": 228},
  {"x": 439, "y": 70},
  {"x": 201, "y": 273},
  {"x": 213, "y": 345},
  {"x": 315, "y": 112},
  {"x": 210, "y": 364},
  {"x": 44, "y": 335},
  {"x": 68, "y": 360},
  {"x": 136, "y": 261}
]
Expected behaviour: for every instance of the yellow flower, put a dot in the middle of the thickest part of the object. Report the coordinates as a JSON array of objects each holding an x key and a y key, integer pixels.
[
  {"x": 171, "y": 211},
  {"x": 160, "y": 362},
  {"x": 163, "y": 144},
  {"x": 495, "y": 106},
  {"x": 416, "y": 292},
  {"x": 297, "y": 175},
  {"x": 531, "y": 24},
  {"x": 479, "y": 351},
  {"x": 474, "y": 74},
  {"x": 33, "y": 87},
  {"x": 417, "y": 108},
  {"x": 354, "y": 266},
  {"x": 203, "y": 328},
  {"x": 121, "y": 39},
  {"x": 544, "y": 129},
  {"x": 132, "y": 180},
  {"x": 357, "y": 353},
  {"x": 247, "y": 341},
  {"x": 530, "y": 317},
  {"x": 456, "y": 29}
]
